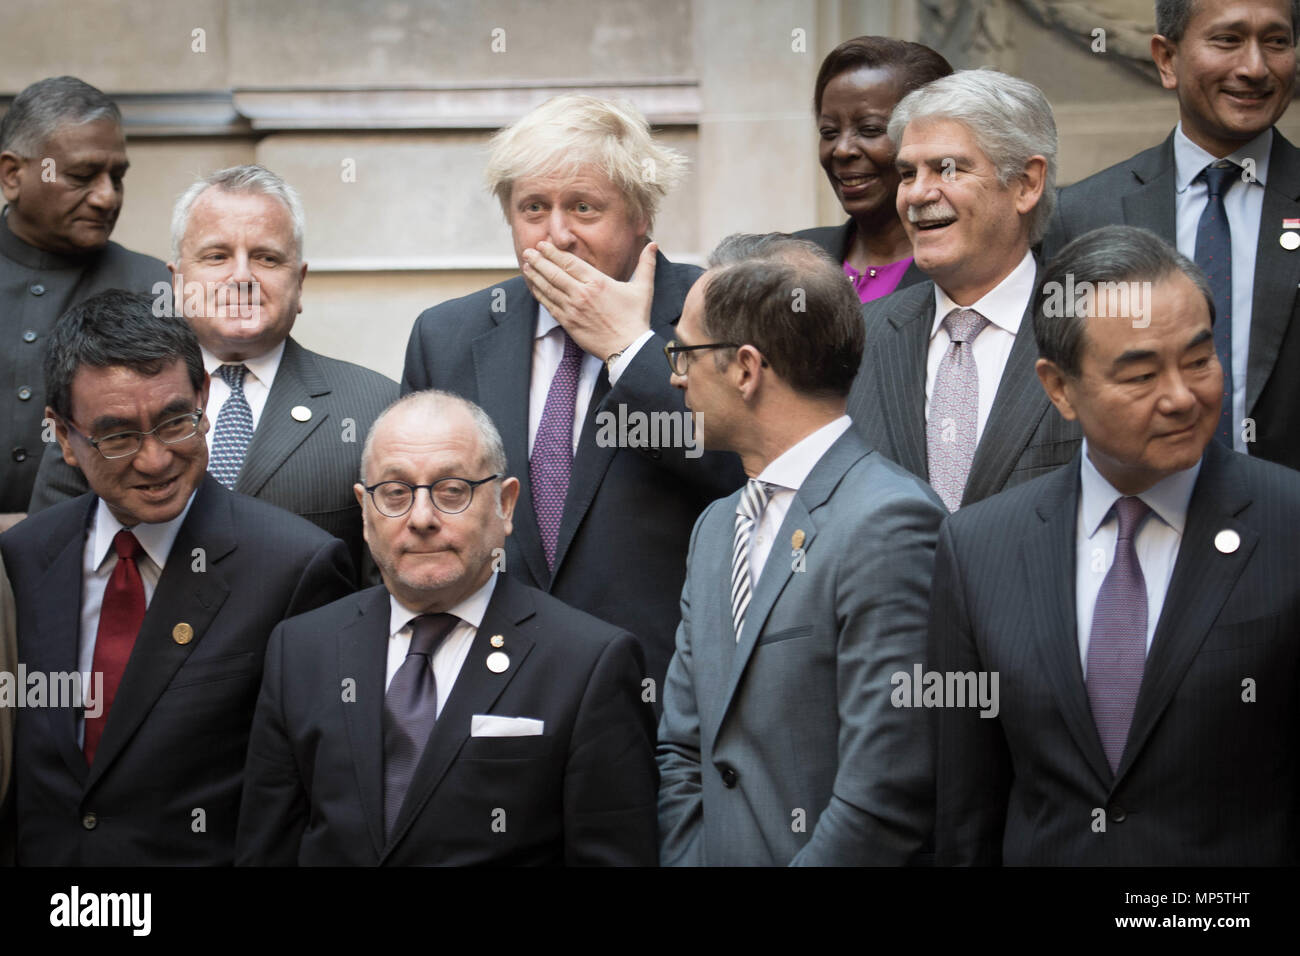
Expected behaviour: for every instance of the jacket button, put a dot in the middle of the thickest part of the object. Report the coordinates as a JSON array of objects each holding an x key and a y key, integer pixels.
[
  {"x": 1118, "y": 815},
  {"x": 24, "y": 393},
  {"x": 29, "y": 335},
  {"x": 19, "y": 454},
  {"x": 90, "y": 821},
  {"x": 38, "y": 289},
  {"x": 729, "y": 777}
]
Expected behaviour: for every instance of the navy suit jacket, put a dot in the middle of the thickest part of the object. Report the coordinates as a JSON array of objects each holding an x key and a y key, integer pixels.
[
  {"x": 836, "y": 241},
  {"x": 177, "y": 733},
  {"x": 627, "y": 520}
]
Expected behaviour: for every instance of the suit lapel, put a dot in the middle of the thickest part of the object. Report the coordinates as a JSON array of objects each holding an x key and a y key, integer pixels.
[
  {"x": 1276, "y": 268},
  {"x": 503, "y": 368},
  {"x": 1202, "y": 580},
  {"x": 278, "y": 435},
  {"x": 183, "y": 595},
  {"x": 1152, "y": 206},
  {"x": 900, "y": 377},
  {"x": 1050, "y": 573},
  {"x": 363, "y": 657},
  {"x": 475, "y": 691}
]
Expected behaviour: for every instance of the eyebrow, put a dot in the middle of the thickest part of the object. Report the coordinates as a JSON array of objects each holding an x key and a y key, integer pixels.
[
  {"x": 172, "y": 409},
  {"x": 1142, "y": 355}
]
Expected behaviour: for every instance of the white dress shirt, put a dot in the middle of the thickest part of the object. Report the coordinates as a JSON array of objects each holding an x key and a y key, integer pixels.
[
  {"x": 548, "y": 350},
  {"x": 1156, "y": 542},
  {"x": 451, "y": 653},
  {"x": 1244, "y": 203},
  {"x": 257, "y": 384},
  {"x": 786, "y": 473},
  {"x": 1004, "y": 306},
  {"x": 98, "y": 559}
]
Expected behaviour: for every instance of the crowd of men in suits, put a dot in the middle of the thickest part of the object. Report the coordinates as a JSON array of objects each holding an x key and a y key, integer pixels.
[{"x": 973, "y": 574}]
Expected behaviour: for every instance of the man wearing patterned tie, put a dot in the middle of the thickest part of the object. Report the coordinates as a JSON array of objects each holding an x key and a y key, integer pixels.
[
  {"x": 806, "y": 591},
  {"x": 947, "y": 386},
  {"x": 1139, "y": 607},
  {"x": 161, "y": 587},
  {"x": 579, "y": 336},
  {"x": 1224, "y": 187}
]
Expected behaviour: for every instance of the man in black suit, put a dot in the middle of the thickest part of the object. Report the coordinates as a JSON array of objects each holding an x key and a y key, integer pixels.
[
  {"x": 62, "y": 168},
  {"x": 946, "y": 387},
  {"x": 289, "y": 429},
  {"x": 1232, "y": 64},
  {"x": 157, "y": 591},
  {"x": 479, "y": 720},
  {"x": 568, "y": 361},
  {"x": 1137, "y": 611}
]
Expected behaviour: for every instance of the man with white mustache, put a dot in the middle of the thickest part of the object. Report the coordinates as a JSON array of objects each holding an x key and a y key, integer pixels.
[{"x": 947, "y": 386}]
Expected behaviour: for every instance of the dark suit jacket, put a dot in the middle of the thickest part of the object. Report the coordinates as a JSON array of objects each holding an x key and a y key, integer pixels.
[
  {"x": 1140, "y": 192},
  {"x": 1208, "y": 777},
  {"x": 304, "y": 467},
  {"x": 837, "y": 239},
  {"x": 582, "y": 792},
  {"x": 177, "y": 732},
  {"x": 1024, "y": 436},
  {"x": 627, "y": 520}
]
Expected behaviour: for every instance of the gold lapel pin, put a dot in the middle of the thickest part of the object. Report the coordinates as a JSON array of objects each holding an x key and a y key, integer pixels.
[
  {"x": 182, "y": 633},
  {"x": 497, "y": 641},
  {"x": 796, "y": 539}
]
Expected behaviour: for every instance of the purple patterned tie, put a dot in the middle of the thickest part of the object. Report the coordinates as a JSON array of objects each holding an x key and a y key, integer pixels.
[
  {"x": 1117, "y": 648},
  {"x": 954, "y": 408},
  {"x": 552, "y": 458}
]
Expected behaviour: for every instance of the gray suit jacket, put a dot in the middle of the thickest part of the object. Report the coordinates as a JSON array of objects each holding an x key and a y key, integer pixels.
[
  {"x": 1140, "y": 192},
  {"x": 1024, "y": 437},
  {"x": 784, "y": 747},
  {"x": 304, "y": 467}
]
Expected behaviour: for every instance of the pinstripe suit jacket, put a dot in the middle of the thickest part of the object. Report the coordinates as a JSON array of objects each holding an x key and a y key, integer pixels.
[
  {"x": 1024, "y": 436},
  {"x": 304, "y": 467},
  {"x": 1209, "y": 775}
]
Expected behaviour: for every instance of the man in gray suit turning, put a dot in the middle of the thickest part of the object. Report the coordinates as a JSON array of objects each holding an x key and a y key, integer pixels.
[{"x": 805, "y": 590}]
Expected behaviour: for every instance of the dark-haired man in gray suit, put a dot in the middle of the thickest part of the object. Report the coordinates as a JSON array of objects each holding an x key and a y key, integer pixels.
[
  {"x": 947, "y": 387},
  {"x": 287, "y": 422},
  {"x": 1139, "y": 607},
  {"x": 806, "y": 591}
]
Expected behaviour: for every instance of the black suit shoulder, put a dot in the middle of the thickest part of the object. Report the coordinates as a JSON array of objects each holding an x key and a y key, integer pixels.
[
  {"x": 354, "y": 383},
  {"x": 141, "y": 269},
  {"x": 37, "y": 531},
  {"x": 834, "y": 239}
]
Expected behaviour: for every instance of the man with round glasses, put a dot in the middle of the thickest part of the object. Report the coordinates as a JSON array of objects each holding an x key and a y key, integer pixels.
[
  {"x": 154, "y": 594},
  {"x": 485, "y": 721}
]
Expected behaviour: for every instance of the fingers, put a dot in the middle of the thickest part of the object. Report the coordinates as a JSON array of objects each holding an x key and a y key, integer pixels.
[{"x": 645, "y": 267}]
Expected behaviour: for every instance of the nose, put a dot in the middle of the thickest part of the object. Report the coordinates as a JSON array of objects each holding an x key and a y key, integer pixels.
[
  {"x": 1252, "y": 64},
  {"x": 154, "y": 457},
  {"x": 921, "y": 189},
  {"x": 557, "y": 229},
  {"x": 1178, "y": 399},
  {"x": 104, "y": 194},
  {"x": 677, "y": 381},
  {"x": 846, "y": 145},
  {"x": 423, "y": 516}
]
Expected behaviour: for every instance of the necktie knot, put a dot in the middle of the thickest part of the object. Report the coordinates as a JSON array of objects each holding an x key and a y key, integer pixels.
[
  {"x": 427, "y": 632},
  {"x": 1130, "y": 511},
  {"x": 964, "y": 325},
  {"x": 233, "y": 376},
  {"x": 126, "y": 544},
  {"x": 1218, "y": 177},
  {"x": 754, "y": 499}
]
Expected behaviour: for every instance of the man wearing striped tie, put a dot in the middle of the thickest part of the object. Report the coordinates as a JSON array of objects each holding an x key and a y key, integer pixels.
[{"x": 805, "y": 591}]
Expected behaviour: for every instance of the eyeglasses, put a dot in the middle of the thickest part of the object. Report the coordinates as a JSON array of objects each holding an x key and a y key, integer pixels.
[
  {"x": 449, "y": 495},
  {"x": 675, "y": 353},
  {"x": 125, "y": 444}
]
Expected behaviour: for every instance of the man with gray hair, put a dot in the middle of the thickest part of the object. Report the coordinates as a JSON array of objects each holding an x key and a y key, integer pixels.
[
  {"x": 288, "y": 422},
  {"x": 62, "y": 163},
  {"x": 480, "y": 721},
  {"x": 561, "y": 354},
  {"x": 947, "y": 386}
]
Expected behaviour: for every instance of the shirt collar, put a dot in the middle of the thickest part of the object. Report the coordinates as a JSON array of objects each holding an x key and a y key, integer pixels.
[
  {"x": 545, "y": 322},
  {"x": 1190, "y": 159},
  {"x": 1003, "y": 305},
  {"x": 262, "y": 367},
  {"x": 155, "y": 539},
  {"x": 1168, "y": 498},
  {"x": 470, "y": 610},
  {"x": 790, "y": 469}
]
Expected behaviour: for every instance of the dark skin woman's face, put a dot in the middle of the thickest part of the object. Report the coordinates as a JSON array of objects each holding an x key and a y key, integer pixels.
[{"x": 854, "y": 150}]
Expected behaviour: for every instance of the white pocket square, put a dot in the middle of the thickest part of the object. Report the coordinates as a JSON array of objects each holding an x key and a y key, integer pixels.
[{"x": 490, "y": 725}]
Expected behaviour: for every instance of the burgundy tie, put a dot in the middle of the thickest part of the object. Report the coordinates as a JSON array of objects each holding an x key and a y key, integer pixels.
[
  {"x": 552, "y": 458},
  {"x": 120, "y": 618}
]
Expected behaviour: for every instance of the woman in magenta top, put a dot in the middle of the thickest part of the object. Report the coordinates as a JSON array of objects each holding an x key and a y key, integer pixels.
[{"x": 858, "y": 85}]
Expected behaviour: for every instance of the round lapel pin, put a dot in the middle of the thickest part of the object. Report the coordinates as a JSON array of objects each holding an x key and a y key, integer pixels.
[
  {"x": 497, "y": 662},
  {"x": 1227, "y": 540},
  {"x": 300, "y": 413},
  {"x": 1289, "y": 241},
  {"x": 497, "y": 641},
  {"x": 182, "y": 633}
]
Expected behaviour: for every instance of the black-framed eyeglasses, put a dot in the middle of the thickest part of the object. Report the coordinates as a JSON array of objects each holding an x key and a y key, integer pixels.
[
  {"x": 675, "y": 353},
  {"x": 125, "y": 444},
  {"x": 451, "y": 496}
]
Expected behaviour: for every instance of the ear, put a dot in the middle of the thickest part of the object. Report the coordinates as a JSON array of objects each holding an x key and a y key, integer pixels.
[
  {"x": 1032, "y": 181},
  {"x": 62, "y": 436},
  {"x": 360, "y": 491},
  {"x": 203, "y": 398},
  {"x": 1164, "y": 51},
  {"x": 750, "y": 364},
  {"x": 1054, "y": 381},
  {"x": 509, "y": 498},
  {"x": 302, "y": 277},
  {"x": 11, "y": 174}
]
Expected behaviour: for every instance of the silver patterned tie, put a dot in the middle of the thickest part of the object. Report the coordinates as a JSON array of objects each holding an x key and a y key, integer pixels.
[
  {"x": 954, "y": 408},
  {"x": 234, "y": 428},
  {"x": 753, "y": 500}
]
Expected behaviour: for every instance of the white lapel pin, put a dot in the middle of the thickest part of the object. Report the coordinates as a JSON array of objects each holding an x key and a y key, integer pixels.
[
  {"x": 1227, "y": 541},
  {"x": 300, "y": 413},
  {"x": 497, "y": 662}
]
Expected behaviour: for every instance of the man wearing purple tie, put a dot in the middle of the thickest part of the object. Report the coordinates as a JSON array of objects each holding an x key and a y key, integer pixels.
[
  {"x": 1136, "y": 611},
  {"x": 564, "y": 355}
]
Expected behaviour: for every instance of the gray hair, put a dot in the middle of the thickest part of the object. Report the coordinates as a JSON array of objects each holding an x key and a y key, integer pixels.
[
  {"x": 38, "y": 111},
  {"x": 433, "y": 401},
  {"x": 573, "y": 130},
  {"x": 1009, "y": 117},
  {"x": 1172, "y": 17},
  {"x": 239, "y": 179},
  {"x": 1111, "y": 254}
]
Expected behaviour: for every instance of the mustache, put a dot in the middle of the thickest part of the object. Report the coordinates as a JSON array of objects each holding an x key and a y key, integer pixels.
[{"x": 930, "y": 212}]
